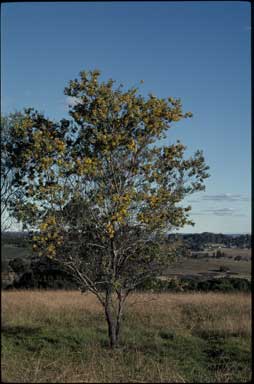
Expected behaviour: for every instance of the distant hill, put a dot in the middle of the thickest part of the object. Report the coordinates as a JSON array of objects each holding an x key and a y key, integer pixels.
[{"x": 13, "y": 234}]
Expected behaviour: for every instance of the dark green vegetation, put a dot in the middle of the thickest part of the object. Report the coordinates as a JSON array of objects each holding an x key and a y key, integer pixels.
[
  {"x": 226, "y": 284},
  {"x": 62, "y": 337}
]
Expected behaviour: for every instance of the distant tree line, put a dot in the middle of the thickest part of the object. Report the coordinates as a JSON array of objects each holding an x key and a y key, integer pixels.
[
  {"x": 198, "y": 241},
  {"x": 225, "y": 284}
]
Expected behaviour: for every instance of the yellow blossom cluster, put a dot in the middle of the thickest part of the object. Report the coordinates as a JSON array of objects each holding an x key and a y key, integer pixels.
[
  {"x": 111, "y": 141},
  {"x": 154, "y": 220},
  {"x": 121, "y": 206},
  {"x": 132, "y": 145},
  {"x": 120, "y": 215},
  {"x": 143, "y": 218},
  {"x": 49, "y": 189},
  {"x": 110, "y": 230},
  {"x": 86, "y": 165},
  {"x": 51, "y": 250},
  {"x": 46, "y": 162},
  {"x": 49, "y": 237},
  {"x": 50, "y": 220},
  {"x": 44, "y": 140},
  {"x": 60, "y": 145},
  {"x": 60, "y": 162},
  {"x": 153, "y": 201},
  {"x": 22, "y": 127},
  {"x": 125, "y": 198}
]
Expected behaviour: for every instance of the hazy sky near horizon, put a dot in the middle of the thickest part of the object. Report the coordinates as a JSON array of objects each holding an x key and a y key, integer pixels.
[{"x": 198, "y": 51}]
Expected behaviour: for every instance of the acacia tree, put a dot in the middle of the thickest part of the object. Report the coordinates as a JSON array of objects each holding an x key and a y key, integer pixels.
[{"x": 100, "y": 192}]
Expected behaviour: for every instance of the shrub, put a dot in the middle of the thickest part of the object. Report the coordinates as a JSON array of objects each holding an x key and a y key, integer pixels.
[
  {"x": 18, "y": 265},
  {"x": 185, "y": 285}
]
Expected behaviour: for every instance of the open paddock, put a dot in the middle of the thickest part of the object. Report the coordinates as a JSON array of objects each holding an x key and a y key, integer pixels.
[{"x": 60, "y": 336}]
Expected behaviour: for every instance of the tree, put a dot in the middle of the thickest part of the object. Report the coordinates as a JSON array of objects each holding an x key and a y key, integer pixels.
[
  {"x": 102, "y": 194},
  {"x": 11, "y": 166},
  {"x": 224, "y": 268}
]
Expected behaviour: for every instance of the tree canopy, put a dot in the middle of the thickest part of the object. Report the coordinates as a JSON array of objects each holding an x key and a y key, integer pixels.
[
  {"x": 101, "y": 193},
  {"x": 12, "y": 170}
]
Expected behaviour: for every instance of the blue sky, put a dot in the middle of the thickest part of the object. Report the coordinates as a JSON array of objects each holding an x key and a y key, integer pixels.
[{"x": 198, "y": 51}]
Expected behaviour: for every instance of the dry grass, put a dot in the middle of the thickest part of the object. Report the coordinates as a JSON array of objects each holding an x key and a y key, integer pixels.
[{"x": 60, "y": 336}]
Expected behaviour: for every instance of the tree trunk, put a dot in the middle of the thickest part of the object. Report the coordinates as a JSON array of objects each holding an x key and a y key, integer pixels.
[
  {"x": 119, "y": 317},
  {"x": 113, "y": 331},
  {"x": 114, "y": 317}
]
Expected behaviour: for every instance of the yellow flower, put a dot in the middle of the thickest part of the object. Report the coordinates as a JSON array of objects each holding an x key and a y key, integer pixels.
[
  {"x": 51, "y": 250},
  {"x": 88, "y": 161},
  {"x": 110, "y": 230},
  {"x": 59, "y": 144},
  {"x": 51, "y": 220},
  {"x": 43, "y": 226},
  {"x": 132, "y": 145}
]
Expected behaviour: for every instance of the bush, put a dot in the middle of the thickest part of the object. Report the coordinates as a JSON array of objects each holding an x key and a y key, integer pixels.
[
  {"x": 241, "y": 284},
  {"x": 223, "y": 268},
  {"x": 185, "y": 285},
  {"x": 41, "y": 273},
  {"x": 17, "y": 265}
]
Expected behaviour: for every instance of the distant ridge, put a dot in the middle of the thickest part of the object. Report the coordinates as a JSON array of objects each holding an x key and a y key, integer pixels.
[
  {"x": 13, "y": 234},
  {"x": 24, "y": 234},
  {"x": 214, "y": 233}
]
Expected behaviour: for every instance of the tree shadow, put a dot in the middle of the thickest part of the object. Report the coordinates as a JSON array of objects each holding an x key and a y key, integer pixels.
[{"x": 10, "y": 330}]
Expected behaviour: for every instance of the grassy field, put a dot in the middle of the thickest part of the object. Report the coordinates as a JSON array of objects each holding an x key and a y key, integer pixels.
[
  {"x": 57, "y": 336},
  {"x": 191, "y": 266},
  {"x": 10, "y": 252},
  {"x": 237, "y": 251}
]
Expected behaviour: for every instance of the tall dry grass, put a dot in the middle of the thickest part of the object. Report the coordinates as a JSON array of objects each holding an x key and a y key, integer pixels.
[
  {"x": 208, "y": 312},
  {"x": 200, "y": 314}
]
